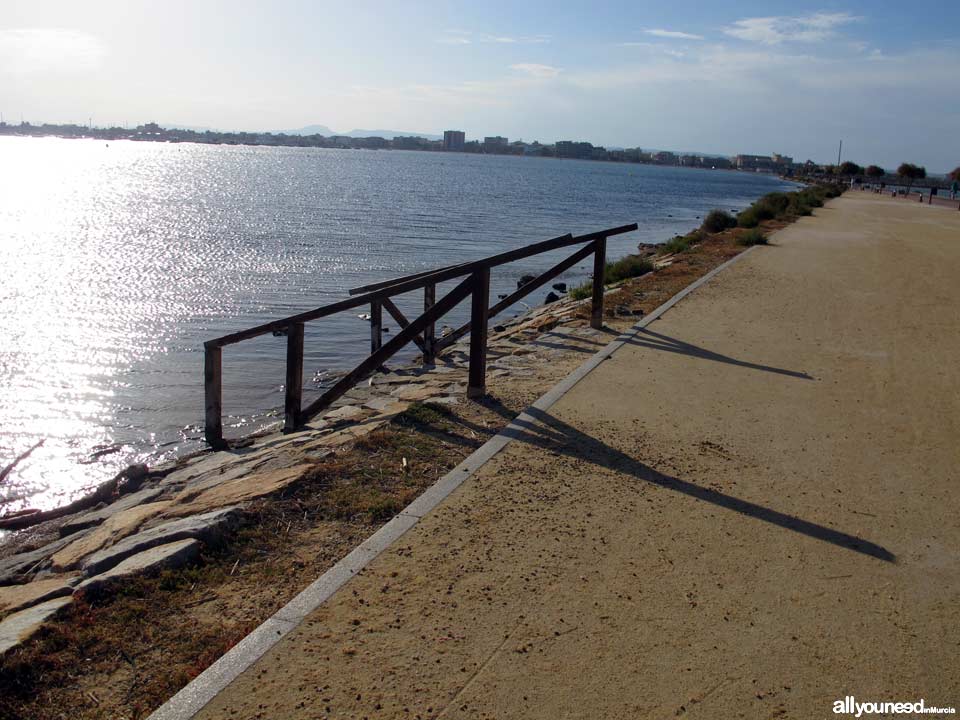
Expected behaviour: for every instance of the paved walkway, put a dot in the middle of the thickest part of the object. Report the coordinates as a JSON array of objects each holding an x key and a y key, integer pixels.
[{"x": 750, "y": 511}]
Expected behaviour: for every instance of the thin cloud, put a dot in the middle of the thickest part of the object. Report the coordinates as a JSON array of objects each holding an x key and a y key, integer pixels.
[
  {"x": 781, "y": 29},
  {"x": 34, "y": 50},
  {"x": 464, "y": 37},
  {"x": 673, "y": 34},
  {"x": 536, "y": 70}
]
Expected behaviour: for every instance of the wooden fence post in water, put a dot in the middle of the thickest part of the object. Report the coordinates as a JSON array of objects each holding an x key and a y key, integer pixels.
[
  {"x": 213, "y": 395},
  {"x": 376, "y": 326},
  {"x": 477, "y": 382},
  {"x": 294, "y": 385},
  {"x": 430, "y": 331},
  {"x": 599, "y": 270}
]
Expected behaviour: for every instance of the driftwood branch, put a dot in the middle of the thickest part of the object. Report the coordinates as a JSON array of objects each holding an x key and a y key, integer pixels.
[
  {"x": 124, "y": 482},
  {"x": 18, "y": 459}
]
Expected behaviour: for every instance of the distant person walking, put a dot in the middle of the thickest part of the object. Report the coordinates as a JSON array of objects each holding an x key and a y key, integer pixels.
[{"x": 954, "y": 189}]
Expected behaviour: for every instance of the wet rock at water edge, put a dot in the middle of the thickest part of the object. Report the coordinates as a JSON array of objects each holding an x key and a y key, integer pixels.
[{"x": 552, "y": 297}]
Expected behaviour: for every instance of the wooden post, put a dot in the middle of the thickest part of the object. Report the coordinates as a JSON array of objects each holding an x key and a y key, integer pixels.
[
  {"x": 213, "y": 395},
  {"x": 599, "y": 270},
  {"x": 477, "y": 382},
  {"x": 294, "y": 385},
  {"x": 430, "y": 331},
  {"x": 376, "y": 326}
]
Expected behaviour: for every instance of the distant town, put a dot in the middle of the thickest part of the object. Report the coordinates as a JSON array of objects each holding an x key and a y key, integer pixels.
[{"x": 453, "y": 141}]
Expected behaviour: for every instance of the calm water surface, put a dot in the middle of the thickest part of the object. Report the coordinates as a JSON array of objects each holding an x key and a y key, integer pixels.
[{"x": 119, "y": 260}]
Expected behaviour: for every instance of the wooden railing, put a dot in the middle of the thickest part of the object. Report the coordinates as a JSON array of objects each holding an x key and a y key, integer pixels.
[{"x": 421, "y": 330}]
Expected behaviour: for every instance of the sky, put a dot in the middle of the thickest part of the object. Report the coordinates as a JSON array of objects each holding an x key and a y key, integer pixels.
[{"x": 719, "y": 77}]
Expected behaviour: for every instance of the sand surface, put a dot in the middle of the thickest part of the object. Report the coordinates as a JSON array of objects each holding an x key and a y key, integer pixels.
[{"x": 749, "y": 511}]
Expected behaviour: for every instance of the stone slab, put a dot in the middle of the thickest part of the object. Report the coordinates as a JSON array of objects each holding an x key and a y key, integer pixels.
[
  {"x": 18, "y": 597},
  {"x": 15, "y": 565},
  {"x": 171, "y": 555},
  {"x": 208, "y": 527},
  {"x": 16, "y": 629},
  {"x": 347, "y": 413},
  {"x": 193, "y": 501},
  {"x": 95, "y": 517},
  {"x": 116, "y": 527},
  {"x": 415, "y": 393}
]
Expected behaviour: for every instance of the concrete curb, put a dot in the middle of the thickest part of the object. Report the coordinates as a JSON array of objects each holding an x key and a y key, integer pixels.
[{"x": 206, "y": 686}]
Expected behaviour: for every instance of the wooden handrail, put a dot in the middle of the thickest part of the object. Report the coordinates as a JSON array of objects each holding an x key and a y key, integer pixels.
[{"x": 420, "y": 330}]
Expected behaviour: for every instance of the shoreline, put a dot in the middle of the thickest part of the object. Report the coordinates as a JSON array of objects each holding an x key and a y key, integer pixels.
[{"x": 400, "y": 433}]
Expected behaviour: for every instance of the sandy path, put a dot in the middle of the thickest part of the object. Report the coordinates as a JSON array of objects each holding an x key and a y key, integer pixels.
[{"x": 749, "y": 511}]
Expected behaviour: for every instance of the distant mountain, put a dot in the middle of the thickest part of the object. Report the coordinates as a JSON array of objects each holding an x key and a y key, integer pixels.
[
  {"x": 310, "y": 130},
  {"x": 388, "y": 134}
]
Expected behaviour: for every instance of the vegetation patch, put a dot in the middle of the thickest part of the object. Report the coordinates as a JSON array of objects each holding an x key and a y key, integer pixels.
[
  {"x": 717, "y": 221},
  {"x": 615, "y": 271},
  {"x": 753, "y": 236},
  {"x": 122, "y": 655}
]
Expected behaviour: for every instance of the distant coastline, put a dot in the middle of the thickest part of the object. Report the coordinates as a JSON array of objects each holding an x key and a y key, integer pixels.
[{"x": 580, "y": 150}]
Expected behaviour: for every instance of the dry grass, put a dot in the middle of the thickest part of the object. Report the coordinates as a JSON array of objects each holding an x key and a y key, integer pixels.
[{"x": 122, "y": 656}]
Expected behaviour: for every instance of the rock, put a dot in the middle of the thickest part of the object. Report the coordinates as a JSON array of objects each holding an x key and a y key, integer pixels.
[
  {"x": 524, "y": 279},
  {"x": 552, "y": 297},
  {"x": 209, "y": 528},
  {"x": 17, "y": 628},
  {"x": 560, "y": 287},
  {"x": 347, "y": 413},
  {"x": 347, "y": 435},
  {"x": 380, "y": 403},
  {"x": 18, "y": 597},
  {"x": 95, "y": 517},
  {"x": 196, "y": 500},
  {"x": 109, "y": 532},
  {"x": 171, "y": 555},
  {"x": 647, "y": 249},
  {"x": 415, "y": 393},
  {"x": 203, "y": 465},
  {"x": 260, "y": 461},
  {"x": 11, "y": 567}
]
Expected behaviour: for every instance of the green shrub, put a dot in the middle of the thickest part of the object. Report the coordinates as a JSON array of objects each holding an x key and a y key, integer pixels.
[
  {"x": 615, "y": 271},
  {"x": 748, "y": 218},
  {"x": 718, "y": 221},
  {"x": 772, "y": 205},
  {"x": 680, "y": 243},
  {"x": 754, "y": 236}
]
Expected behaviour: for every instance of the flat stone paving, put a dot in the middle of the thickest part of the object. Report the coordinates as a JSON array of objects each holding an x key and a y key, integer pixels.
[{"x": 749, "y": 510}]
